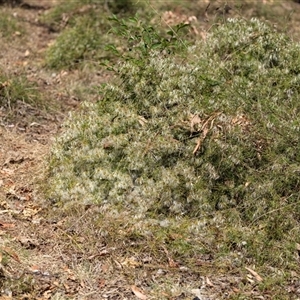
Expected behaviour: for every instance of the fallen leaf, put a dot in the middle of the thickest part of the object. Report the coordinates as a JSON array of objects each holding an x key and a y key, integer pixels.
[
  {"x": 28, "y": 243},
  {"x": 255, "y": 274},
  {"x": 14, "y": 160},
  {"x": 198, "y": 293},
  {"x": 34, "y": 269},
  {"x": 48, "y": 294},
  {"x": 138, "y": 293},
  {"x": 105, "y": 268},
  {"x": 172, "y": 263},
  {"x": 131, "y": 262},
  {"x": 7, "y": 172},
  {"x": 195, "y": 120},
  {"x": 101, "y": 253},
  {"x": 294, "y": 274},
  {"x": 101, "y": 283},
  {"x": 3, "y": 205},
  {"x": 250, "y": 280},
  {"x": 142, "y": 120},
  {"x": 209, "y": 283},
  {"x": 200, "y": 140},
  {"x": 6, "y": 225},
  {"x": 11, "y": 253},
  {"x": 67, "y": 288},
  {"x": 30, "y": 212}
]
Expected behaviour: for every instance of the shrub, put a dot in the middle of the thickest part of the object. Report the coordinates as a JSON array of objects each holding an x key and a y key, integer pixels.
[
  {"x": 84, "y": 36},
  {"x": 75, "y": 44},
  {"x": 214, "y": 130}
]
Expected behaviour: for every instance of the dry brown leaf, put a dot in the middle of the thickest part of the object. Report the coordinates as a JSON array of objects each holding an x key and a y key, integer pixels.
[
  {"x": 198, "y": 293},
  {"x": 67, "y": 288},
  {"x": 47, "y": 294},
  {"x": 294, "y": 274},
  {"x": 195, "y": 120},
  {"x": 204, "y": 134},
  {"x": 138, "y": 293},
  {"x": 11, "y": 253},
  {"x": 101, "y": 283},
  {"x": 3, "y": 205},
  {"x": 101, "y": 253},
  {"x": 105, "y": 268},
  {"x": 30, "y": 212},
  {"x": 26, "y": 53},
  {"x": 131, "y": 262},
  {"x": 107, "y": 145},
  {"x": 208, "y": 282},
  {"x": 255, "y": 274},
  {"x": 172, "y": 263},
  {"x": 6, "y": 225},
  {"x": 142, "y": 120},
  {"x": 250, "y": 280}
]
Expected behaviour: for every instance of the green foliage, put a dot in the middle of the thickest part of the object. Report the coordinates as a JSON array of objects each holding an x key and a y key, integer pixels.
[
  {"x": 213, "y": 134},
  {"x": 145, "y": 38},
  {"x": 84, "y": 36}
]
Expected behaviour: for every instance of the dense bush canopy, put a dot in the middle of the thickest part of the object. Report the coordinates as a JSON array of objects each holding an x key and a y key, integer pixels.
[{"x": 217, "y": 129}]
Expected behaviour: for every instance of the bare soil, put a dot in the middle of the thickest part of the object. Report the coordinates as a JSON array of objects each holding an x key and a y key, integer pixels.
[{"x": 32, "y": 266}]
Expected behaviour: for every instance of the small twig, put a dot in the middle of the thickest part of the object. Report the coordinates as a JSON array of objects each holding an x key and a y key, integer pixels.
[
  {"x": 149, "y": 144},
  {"x": 204, "y": 134}
]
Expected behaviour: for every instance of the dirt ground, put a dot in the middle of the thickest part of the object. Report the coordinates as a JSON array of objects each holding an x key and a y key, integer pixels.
[{"x": 32, "y": 267}]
